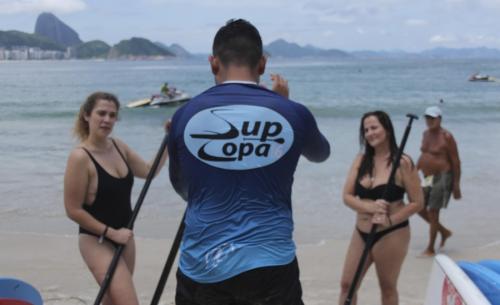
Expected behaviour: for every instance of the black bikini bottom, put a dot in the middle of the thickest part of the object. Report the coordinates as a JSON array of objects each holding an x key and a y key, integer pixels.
[{"x": 380, "y": 234}]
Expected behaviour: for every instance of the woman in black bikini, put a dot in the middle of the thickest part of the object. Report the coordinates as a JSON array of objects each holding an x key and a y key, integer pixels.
[
  {"x": 363, "y": 191},
  {"x": 97, "y": 185}
]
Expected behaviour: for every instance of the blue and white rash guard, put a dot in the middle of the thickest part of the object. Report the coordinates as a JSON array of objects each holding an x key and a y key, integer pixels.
[{"x": 233, "y": 152}]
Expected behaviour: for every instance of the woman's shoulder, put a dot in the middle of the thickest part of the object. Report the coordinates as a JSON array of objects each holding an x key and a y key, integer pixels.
[
  {"x": 121, "y": 144},
  {"x": 406, "y": 163},
  {"x": 78, "y": 156},
  {"x": 78, "y": 151},
  {"x": 357, "y": 160}
]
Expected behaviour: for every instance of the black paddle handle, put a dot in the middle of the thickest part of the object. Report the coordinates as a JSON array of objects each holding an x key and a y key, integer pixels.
[
  {"x": 371, "y": 236},
  {"x": 118, "y": 252},
  {"x": 169, "y": 263}
]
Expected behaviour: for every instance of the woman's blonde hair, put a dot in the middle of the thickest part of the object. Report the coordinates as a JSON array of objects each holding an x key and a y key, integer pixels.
[{"x": 81, "y": 130}]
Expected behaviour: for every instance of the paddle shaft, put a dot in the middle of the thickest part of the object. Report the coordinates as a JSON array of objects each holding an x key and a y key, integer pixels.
[
  {"x": 371, "y": 236},
  {"x": 118, "y": 252},
  {"x": 169, "y": 263}
]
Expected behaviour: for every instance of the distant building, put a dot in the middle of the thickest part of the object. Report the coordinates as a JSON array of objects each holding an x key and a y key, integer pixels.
[
  {"x": 19, "y": 53},
  {"x": 31, "y": 53}
]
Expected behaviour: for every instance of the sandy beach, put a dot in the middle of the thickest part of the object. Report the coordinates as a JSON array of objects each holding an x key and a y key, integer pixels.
[{"x": 53, "y": 265}]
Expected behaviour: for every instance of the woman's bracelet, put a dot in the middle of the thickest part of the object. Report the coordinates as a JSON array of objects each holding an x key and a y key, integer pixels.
[{"x": 103, "y": 235}]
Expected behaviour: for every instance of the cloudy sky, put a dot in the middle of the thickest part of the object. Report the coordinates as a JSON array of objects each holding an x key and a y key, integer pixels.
[{"x": 410, "y": 25}]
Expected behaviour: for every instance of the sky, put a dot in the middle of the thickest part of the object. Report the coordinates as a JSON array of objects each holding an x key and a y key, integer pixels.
[{"x": 349, "y": 25}]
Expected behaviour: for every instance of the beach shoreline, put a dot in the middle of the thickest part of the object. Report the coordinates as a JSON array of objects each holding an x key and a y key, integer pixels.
[{"x": 52, "y": 263}]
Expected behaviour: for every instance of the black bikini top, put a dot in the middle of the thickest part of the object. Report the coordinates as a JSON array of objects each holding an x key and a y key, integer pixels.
[{"x": 394, "y": 193}]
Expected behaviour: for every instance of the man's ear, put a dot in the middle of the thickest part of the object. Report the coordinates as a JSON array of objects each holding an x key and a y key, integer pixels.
[
  {"x": 214, "y": 64},
  {"x": 261, "y": 68}
]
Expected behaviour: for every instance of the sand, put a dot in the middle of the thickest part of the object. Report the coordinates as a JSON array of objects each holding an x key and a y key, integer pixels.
[{"x": 53, "y": 265}]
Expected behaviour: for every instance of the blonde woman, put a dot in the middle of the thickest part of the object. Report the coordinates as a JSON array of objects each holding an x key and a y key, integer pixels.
[{"x": 97, "y": 186}]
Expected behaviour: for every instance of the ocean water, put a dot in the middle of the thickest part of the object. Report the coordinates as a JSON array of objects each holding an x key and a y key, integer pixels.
[{"x": 39, "y": 101}]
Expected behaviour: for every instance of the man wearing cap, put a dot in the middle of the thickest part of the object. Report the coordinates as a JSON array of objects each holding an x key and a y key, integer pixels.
[{"x": 440, "y": 165}]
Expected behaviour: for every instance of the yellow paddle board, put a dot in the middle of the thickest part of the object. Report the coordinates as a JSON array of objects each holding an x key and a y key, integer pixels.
[{"x": 139, "y": 103}]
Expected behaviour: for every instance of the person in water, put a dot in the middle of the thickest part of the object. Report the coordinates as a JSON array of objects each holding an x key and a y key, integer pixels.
[
  {"x": 440, "y": 165},
  {"x": 233, "y": 153},
  {"x": 97, "y": 185},
  {"x": 363, "y": 190},
  {"x": 165, "y": 89}
]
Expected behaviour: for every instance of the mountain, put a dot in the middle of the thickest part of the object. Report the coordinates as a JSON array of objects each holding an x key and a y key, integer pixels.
[
  {"x": 9, "y": 39},
  {"x": 137, "y": 47},
  {"x": 466, "y": 53},
  {"x": 50, "y": 26},
  {"x": 282, "y": 48},
  {"x": 176, "y": 49},
  {"x": 395, "y": 54},
  {"x": 92, "y": 49},
  {"x": 436, "y": 53},
  {"x": 179, "y": 51}
]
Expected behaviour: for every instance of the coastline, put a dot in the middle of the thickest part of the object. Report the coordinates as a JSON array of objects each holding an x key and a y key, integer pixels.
[
  {"x": 52, "y": 264},
  {"x": 39, "y": 242}
]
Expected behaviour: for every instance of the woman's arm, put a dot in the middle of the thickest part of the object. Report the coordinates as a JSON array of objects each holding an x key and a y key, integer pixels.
[
  {"x": 76, "y": 182},
  {"x": 411, "y": 183},
  {"x": 353, "y": 201}
]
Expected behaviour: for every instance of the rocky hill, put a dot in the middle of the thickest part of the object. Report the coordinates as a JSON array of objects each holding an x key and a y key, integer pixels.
[
  {"x": 179, "y": 51},
  {"x": 50, "y": 26},
  {"x": 176, "y": 49}
]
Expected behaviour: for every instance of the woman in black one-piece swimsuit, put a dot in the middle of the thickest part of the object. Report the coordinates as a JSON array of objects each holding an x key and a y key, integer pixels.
[
  {"x": 97, "y": 185},
  {"x": 363, "y": 191}
]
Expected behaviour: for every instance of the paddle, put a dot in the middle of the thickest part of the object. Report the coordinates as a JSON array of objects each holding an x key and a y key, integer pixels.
[
  {"x": 168, "y": 264},
  {"x": 371, "y": 236},
  {"x": 118, "y": 251}
]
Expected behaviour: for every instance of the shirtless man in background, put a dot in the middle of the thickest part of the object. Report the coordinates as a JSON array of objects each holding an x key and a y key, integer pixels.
[{"x": 440, "y": 165}]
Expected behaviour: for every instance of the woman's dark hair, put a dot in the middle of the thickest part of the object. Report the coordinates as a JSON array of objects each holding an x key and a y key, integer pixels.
[
  {"x": 238, "y": 42},
  {"x": 81, "y": 129},
  {"x": 366, "y": 166}
]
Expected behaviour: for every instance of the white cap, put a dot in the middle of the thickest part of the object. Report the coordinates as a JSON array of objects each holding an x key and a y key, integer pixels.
[{"x": 433, "y": 111}]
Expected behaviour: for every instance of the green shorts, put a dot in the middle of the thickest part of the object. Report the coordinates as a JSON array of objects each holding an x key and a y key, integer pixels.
[{"x": 438, "y": 190}]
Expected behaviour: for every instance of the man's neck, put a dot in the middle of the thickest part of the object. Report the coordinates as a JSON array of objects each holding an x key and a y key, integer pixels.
[{"x": 238, "y": 73}]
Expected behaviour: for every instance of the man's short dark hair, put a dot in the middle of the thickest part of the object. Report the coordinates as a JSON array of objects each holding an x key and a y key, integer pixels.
[{"x": 238, "y": 42}]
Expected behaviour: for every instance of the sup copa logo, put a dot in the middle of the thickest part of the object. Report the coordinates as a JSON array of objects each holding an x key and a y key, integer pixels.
[{"x": 238, "y": 137}]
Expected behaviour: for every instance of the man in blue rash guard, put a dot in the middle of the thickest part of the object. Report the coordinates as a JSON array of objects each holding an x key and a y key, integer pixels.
[{"x": 233, "y": 152}]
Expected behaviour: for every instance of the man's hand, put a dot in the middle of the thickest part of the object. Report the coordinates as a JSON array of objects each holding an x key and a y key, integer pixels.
[
  {"x": 167, "y": 125},
  {"x": 280, "y": 85}
]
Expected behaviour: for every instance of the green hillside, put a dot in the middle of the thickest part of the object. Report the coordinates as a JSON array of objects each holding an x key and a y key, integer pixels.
[
  {"x": 9, "y": 39},
  {"x": 92, "y": 49},
  {"x": 137, "y": 47}
]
